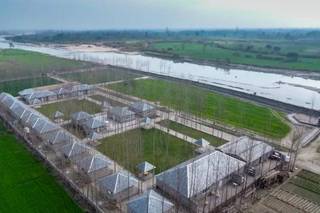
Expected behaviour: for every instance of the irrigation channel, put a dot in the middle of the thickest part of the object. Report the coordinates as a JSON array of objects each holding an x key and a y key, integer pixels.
[{"x": 291, "y": 90}]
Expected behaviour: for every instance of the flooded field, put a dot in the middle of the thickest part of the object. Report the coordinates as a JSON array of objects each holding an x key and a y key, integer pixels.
[{"x": 289, "y": 89}]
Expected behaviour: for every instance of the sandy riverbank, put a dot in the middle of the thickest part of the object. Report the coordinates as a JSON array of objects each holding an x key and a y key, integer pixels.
[
  {"x": 87, "y": 48},
  {"x": 294, "y": 73}
]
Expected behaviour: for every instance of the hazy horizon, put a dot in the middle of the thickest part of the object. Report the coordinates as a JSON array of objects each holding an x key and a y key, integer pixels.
[{"x": 157, "y": 14}]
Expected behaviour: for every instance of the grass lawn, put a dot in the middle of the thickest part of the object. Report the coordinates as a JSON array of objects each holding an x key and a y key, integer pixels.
[
  {"x": 196, "y": 134},
  {"x": 207, "y": 104},
  {"x": 13, "y": 87},
  {"x": 100, "y": 76},
  {"x": 26, "y": 185},
  {"x": 69, "y": 107},
  {"x": 20, "y": 63},
  {"x": 110, "y": 101},
  {"x": 135, "y": 146},
  {"x": 246, "y": 52}
]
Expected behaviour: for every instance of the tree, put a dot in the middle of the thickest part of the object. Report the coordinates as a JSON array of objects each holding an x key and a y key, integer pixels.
[
  {"x": 292, "y": 56},
  {"x": 268, "y": 46},
  {"x": 276, "y": 49}
]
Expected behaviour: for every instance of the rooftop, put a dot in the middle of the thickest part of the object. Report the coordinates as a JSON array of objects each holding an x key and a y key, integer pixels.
[
  {"x": 79, "y": 116},
  {"x": 74, "y": 148},
  {"x": 95, "y": 122},
  {"x": 196, "y": 175},
  {"x": 145, "y": 167},
  {"x": 202, "y": 142},
  {"x": 141, "y": 106},
  {"x": 117, "y": 182},
  {"x": 247, "y": 149},
  {"x": 149, "y": 202},
  {"x": 94, "y": 162},
  {"x": 121, "y": 111}
]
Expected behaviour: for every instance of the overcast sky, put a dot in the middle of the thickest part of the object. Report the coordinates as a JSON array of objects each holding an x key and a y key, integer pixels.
[{"x": 142, "y": 14}]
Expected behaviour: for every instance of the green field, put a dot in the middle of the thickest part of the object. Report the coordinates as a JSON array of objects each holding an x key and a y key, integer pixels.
[
  {"x": 306, "y": 185},
  {"x": 26, "y": 185},
  {"x": 204, "y": 103},
  {"x": 69, "y": 107},
  {"x": 21, "y": 64},
  {"x": 108, "y": 100},
  {"x": 272, "y": 54},
  {"x": 214, "y": 141},
  {"x": 135, "y": 146},
  {"x": 100, "y": 76},
  {"x": 13, "y": 87}
]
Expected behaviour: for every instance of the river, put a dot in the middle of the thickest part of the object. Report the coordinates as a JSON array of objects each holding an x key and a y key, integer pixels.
[{"x": 289, "y": 89}]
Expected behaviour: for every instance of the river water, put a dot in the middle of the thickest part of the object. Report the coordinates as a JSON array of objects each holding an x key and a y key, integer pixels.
[{"x": 293, "y": 90}]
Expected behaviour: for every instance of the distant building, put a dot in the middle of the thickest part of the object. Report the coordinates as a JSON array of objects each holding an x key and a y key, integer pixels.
[
  {"x": 88, "y": 123},
  {"x": 143, "y": 109},
  {"x": 79, "y": 118},
  {"x": 31, "y": 96},
  {"x": 121, "y": 114},
  {"x": 26, "y": 116},
  {"x": 37, "y": 97}
]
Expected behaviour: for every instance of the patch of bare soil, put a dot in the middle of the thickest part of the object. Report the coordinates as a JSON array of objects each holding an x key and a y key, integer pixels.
[{"x": 309, "y": 157}]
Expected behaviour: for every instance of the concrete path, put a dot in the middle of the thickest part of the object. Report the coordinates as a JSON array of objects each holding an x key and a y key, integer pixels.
[
  {"x": 57, "y": 78},
  {"x": 120, "y": 81},
  {"x": 309, "y": 157}
]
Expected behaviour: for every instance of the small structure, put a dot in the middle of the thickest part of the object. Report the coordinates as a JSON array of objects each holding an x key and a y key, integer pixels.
[
  {"x": 62, "y": 92},
  {"x": 118, "y": 186},
  {"x": 75, "y": 150},
  {"x": 121, "y": 114},
  {"x": 58, "y": 116},
  {"x": 202, "y": 142},
  {"x": 94, "y": 124},
  {"x": 150, "y": 202},
  {"x": 82, "y": 89},
  {"x": 148, "y": 123},
  {"x": 145, "y": 168},
  {"x": 92, "y": 164},
  {"x": 143, "y": 109},
  {"x": 106, "y": 106},
  {"x": 94, "y": 136},
  {"x": 79, "y": 118},
  {"x": 57, "y": 137}
]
